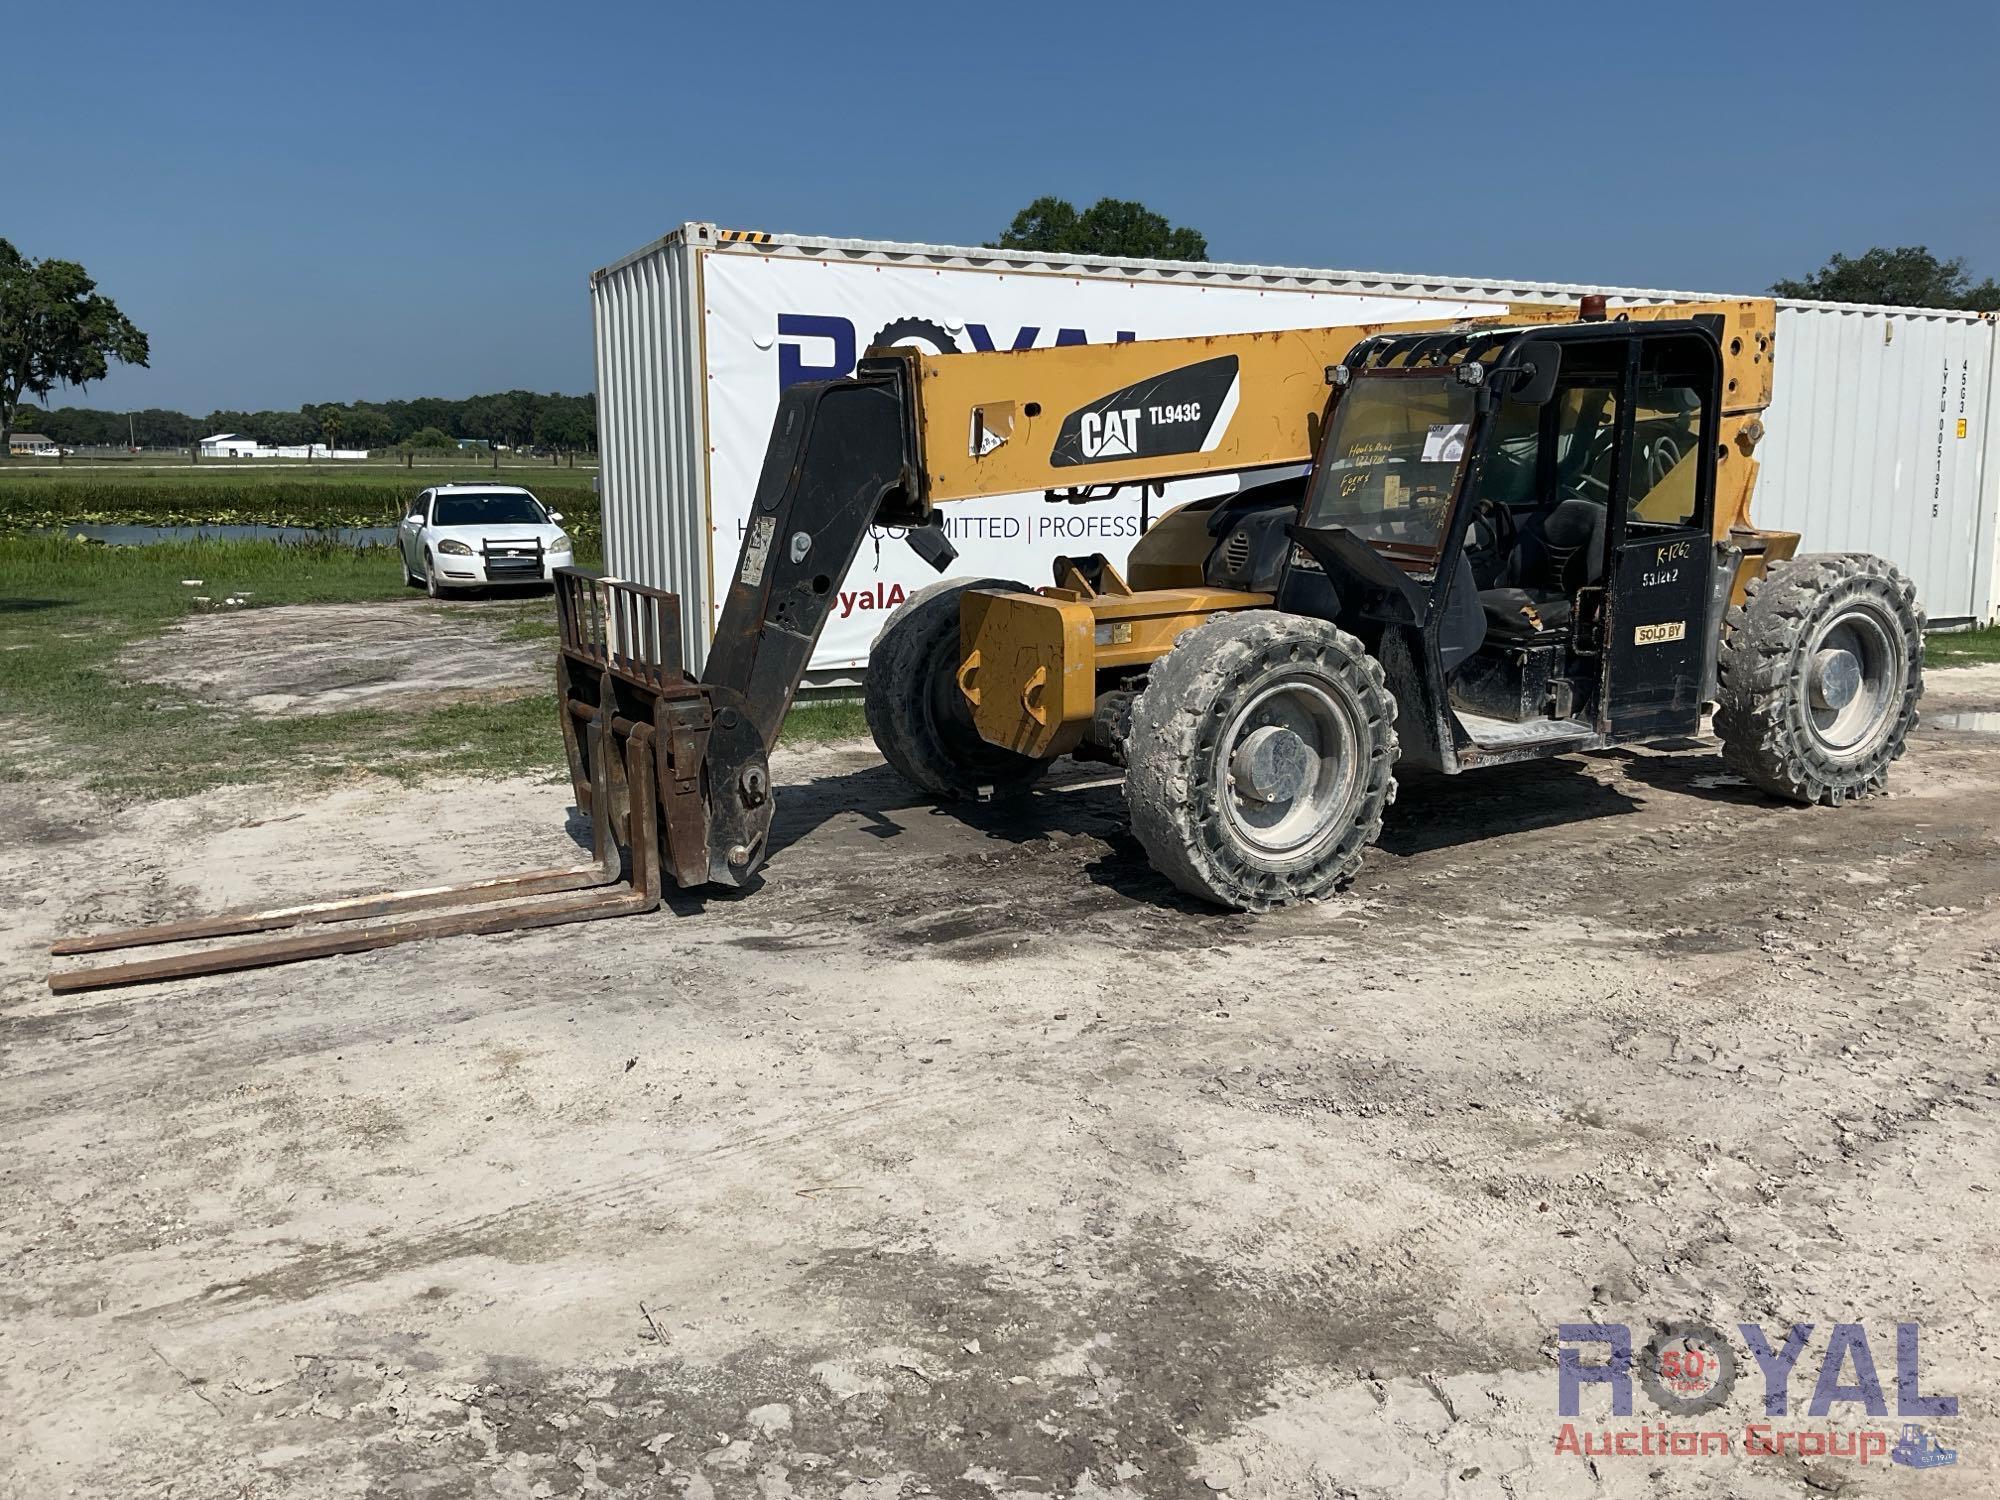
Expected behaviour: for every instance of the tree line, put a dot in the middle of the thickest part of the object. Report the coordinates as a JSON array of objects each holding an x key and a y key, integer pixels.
[
  {"x": 1902, "y": 276},
  {"x": 518, "y": 419}
]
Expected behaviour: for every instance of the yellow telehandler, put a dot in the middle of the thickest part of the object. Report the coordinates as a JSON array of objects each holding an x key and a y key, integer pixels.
[{"x": 1517, "y": 537}]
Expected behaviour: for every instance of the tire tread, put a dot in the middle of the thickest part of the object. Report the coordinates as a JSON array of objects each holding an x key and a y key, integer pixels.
[
  {"x": 895, "y": 699},
  {"x": 1174, "y": 721},
  {"x": 1760, "y": 679}
]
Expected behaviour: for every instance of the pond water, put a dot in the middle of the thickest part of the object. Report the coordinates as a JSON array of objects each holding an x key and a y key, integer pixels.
[
  {"x": 139, "y": 536},
  {"x": 1977, "y": 721}
]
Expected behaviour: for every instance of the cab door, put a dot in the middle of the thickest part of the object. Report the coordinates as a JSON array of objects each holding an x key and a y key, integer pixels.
[{"x": 1663, "y": 554}]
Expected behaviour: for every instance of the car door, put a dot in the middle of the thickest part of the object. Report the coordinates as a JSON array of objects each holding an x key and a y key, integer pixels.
[{"x": 410, "y": 534}]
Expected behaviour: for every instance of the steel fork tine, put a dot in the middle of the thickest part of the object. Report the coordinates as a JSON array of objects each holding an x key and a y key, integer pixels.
[{"x": 641, "y": 895}]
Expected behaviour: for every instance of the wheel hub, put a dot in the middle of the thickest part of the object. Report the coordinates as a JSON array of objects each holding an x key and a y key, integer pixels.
[
  {"x": 1836, "y": 678},
  {"x": 1854, "y": 673},
  {"x": 1271, "y": 764},
  {"x": 1294, "y": 770}
]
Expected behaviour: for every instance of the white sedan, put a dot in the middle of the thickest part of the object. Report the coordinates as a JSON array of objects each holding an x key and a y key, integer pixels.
[{"x": 478, "y": 535}]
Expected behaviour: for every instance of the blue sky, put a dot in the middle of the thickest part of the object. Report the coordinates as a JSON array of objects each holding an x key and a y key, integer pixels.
[{"x": 366, "y": 201}]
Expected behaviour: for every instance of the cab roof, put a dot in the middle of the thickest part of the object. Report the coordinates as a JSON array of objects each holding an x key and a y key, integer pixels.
[{"x": 1446, "y": 348}]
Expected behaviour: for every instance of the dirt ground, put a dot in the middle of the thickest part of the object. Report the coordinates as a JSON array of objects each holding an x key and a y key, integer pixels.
[
  {"x": 962, "y": 1159},
  {"x": 322, "y": 658}
]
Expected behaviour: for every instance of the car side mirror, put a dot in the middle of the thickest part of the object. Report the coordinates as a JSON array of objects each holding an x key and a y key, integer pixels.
[
  {"x": 555, "y": 517},
  {"x": 1530, "y": 375}
]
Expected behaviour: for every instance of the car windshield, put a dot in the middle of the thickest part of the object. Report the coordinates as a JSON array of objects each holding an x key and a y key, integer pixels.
[
  {"x": 488, "y": 510},
  {"x": 1390, "y": 466}
]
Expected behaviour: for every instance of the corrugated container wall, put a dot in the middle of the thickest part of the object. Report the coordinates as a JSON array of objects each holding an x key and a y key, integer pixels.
[
  {"x": 652, "y": 478},
  {"x": 1878, "y": 432},
  {"x": 1864, "y": 449}
]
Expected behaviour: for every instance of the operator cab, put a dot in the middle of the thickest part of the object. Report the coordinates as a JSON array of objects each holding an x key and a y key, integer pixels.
[{"x": 1518, "y": 524}]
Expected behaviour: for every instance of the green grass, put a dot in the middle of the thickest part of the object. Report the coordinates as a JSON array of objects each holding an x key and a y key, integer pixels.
[
  {"x": 535, "y": 625},
  {"x": 1962, "y": 648},
  {"x": 838, "y": 719},
  {"x": 315, "y": 495},
  {"x": 462, "y": 462},
  {"x": 68, "y": 609},
  {"x": 267, "y": 471}
]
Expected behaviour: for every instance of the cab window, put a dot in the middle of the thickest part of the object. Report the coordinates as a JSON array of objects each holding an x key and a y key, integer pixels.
[
  {"x": 1586, "y": 439},
  {"x": 1393, "y": 457},
  {"x": 1566, "y": 449},
  {"x": 1665, "y": 484}
]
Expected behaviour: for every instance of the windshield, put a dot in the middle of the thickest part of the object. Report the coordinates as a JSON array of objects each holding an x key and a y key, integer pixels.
[
  {"x": 1390, "y": 466},
  {"x": 488, "y": 510}
]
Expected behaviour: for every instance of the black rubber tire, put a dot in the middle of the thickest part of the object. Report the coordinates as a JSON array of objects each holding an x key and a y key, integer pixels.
[
  {"x": 1764, "y": 687},
  {"x": 1176, "y": 780},
  {"x": 921, "y": 722},
  {"x": 923, "y": 331}
]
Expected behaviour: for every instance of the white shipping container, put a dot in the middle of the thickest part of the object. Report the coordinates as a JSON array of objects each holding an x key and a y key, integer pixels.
[
  {"x": 698, "y": 332},
  {"x": 1879, "y": 435}
]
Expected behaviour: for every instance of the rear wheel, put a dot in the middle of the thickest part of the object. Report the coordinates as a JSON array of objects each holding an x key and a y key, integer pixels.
[
  {"x": 1261, "y": 757},
  {"x": 921, "y": 721},
  {"x": 1820, "y": 672}
]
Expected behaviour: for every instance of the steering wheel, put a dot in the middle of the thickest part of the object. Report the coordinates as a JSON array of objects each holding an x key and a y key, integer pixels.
[
  {"x": 1663, "y": 454},
  {"x": 1490, "y": 533},
  {"x": 1585, "y": 482}
]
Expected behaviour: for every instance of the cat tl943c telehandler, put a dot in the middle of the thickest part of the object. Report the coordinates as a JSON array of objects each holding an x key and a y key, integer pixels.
[{"x": 1517, "y": 537}]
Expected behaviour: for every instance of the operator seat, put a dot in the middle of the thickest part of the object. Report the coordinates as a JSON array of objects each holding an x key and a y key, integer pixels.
[{"x": 1557, "y": 552}]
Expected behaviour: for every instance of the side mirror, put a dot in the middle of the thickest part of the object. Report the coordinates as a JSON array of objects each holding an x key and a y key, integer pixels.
[
  {"x": 1531, "y": 372},
  {"x": 555, "y": 518}
]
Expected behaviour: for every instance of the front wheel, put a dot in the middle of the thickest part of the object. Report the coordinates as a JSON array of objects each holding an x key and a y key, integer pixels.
[
  {"x": 1262, "y": 755},
  {"x": 1819, "y": 676}
]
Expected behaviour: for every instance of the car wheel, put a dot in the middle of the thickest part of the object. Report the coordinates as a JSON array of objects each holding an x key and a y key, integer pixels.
[
  {"x": 410, "y": 580},
  {"x": 431, "y": 584}
]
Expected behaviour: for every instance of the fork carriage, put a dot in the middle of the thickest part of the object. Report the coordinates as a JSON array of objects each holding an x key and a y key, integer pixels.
[{"x": 621, "y": 676}]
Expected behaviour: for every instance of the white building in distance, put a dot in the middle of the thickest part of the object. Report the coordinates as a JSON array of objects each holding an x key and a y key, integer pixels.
[
  {"x": 233, "y": 445},
  {"x": 236, "y": 445}
]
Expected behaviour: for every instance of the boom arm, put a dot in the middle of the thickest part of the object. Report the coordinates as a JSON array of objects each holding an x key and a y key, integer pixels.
[{"x": 1108, "y": 414}]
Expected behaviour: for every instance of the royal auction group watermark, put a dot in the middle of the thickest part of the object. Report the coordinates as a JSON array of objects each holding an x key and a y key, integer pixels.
[{"x": 1688, "y": 1371}]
